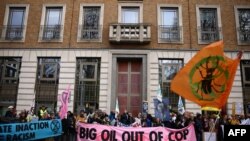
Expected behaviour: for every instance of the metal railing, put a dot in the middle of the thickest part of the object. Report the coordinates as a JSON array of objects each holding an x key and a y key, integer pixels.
[
  {"x": 170, "y": 33},
  {"x": 90, "y": 33},
  {"x": 12, "y": 32},
  {"x": 51, "y": 32},
  {"x": 130, "y": 33},
  {"x": 172, "y": 97},
  {"x": 46, "y": 92},
  {"x": 8, "y": 92},
  {"x": 208, "y": 35},
  {"x": 86, "y": 94},
  {"x": 244, "y": 35}
]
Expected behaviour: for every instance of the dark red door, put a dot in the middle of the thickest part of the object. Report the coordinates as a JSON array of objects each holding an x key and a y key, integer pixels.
[{"x": 129, "y": 85}]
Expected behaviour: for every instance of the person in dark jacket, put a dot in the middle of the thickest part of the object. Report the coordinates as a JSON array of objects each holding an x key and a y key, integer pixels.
[
  {"x": 125, "y": 118},
  {"x": 10, "y": 112},
  {"x": 198, "y": 127},
  {"x": 71, "y": 124}
]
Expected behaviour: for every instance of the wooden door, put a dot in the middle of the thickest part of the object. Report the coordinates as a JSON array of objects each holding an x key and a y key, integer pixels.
[{"x": 129, "y": 85}]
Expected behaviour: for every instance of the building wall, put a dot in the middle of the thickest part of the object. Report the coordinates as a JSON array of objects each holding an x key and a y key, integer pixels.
[
  {"x": 111, "y": 16},
  {"x": 67, "y": 74}
]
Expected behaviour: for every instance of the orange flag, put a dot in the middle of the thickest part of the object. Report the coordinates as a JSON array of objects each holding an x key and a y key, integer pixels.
[{"x": 208, "y": 77}]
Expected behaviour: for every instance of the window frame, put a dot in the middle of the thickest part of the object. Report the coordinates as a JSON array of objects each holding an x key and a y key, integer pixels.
[
  {"x": 4, "y": 68},
  {"x": 159, "y": 20},
  {"x": 164, "y": 83},
  {"x": 80, "y": 22},
  {"x": 243, "y": 66},
  {"x": 42, "y": 70},
  {"x": 217, "y": 7},
  {"x": 237, "y": 22},
  {"x": 139, "y": 5},
  {"x": 6, "y": 20},
  {"x": 95, "y": 73},
  {"x": 43, "y": 20}
]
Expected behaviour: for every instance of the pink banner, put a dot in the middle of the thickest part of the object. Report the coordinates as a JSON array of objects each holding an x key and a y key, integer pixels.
[
  {"x": 96, "y": 132},
  {"x": 64, "y": 98}
]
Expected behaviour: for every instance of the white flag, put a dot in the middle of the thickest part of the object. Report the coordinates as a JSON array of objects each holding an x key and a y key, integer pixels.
[
  {"x": 117, "y": 106},
  {"x": 159, "y": 94},
  {"x": 181, "y": 109}
]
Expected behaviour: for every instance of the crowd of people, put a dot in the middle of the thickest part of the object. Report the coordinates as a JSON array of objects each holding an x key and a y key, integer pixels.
[{"x": 202, "y": 122}]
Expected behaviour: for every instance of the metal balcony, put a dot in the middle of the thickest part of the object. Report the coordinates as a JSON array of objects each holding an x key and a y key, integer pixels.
[
  {"x": 51, "y": 32},
  {"x": 208, "y": 35},
  {"x": 89, "y": 33},
  {"x": 12, "y": 32},
  {"x": 169, "y": 33},
  {"x": 129, "y": 33}
]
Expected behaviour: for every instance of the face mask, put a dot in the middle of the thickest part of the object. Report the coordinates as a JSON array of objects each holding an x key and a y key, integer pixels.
[{"x": 173, "y": 118}]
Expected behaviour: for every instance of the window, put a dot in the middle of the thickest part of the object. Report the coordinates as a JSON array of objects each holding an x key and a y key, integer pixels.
[
  {"x": 245, "y": 69},
  {"x": 52, "y": 23},
  {"x": 87, "y": 84},
  {"x": 169, "y": 24},
  {"x": 9, "y": 80},
  {"x": 209, "y": 24},
  {"x": 245, "y": 65},
  {"x": 47, "y": 83},
  {"x": 130, "y": 13},
  {"x": 168, "y": 68},
  {"x": 15, "y": 21},
  {"x": 90, "y": 22},
  {"x": 242, "y": 15}
]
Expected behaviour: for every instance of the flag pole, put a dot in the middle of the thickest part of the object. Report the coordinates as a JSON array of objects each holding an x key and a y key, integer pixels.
[{"x": 211, "y": 129}]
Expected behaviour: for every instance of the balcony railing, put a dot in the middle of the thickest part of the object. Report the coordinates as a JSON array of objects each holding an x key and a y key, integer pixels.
[
  {"x": 244, "y": 35},
  {"x": 89, "y": 33},
  {"x": 169, "y": 33},
  {"x": 11, "y": 32},
  {"x": 135, "y": 33},
  {"x": 51, "y": 32},
  {"x": 208, "y": 35}
]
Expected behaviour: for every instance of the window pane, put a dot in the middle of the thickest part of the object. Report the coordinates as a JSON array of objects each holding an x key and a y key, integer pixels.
[
  {"x": 247, "y": 73},
  {"x": 208, "y": 18},
  {"x": 130, "y": 15},
  {"x": 88, "y": 71},
  {"x": 11, "y": 70},
  {"x": 91, "y": 17},
  {"x": 244, "y": 24},
  {"x": 209, "y": 29},
  {"x": 49, "y": 70},
  {"x": 53, "y": 16},
  {"x": 167, "y": 70},
  {"x": 16, "y": 16},
  {"x": 169, "y": 16}
]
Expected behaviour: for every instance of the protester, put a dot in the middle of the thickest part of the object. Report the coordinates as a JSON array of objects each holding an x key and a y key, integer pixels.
[
  {"x": 10, "y": 113},
  {"x": 198, "y": 126},
  {"x": 71, "y": 125},
  {"x": 43, "y": 112}
]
